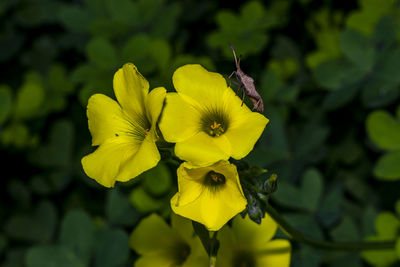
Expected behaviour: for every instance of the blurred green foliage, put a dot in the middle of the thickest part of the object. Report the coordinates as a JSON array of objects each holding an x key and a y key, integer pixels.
[{"x": 329, "y": 74}]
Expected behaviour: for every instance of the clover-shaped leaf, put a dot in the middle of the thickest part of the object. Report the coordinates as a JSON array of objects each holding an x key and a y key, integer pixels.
[
  {"x": 384, "y": 130},
  {"x": 387, "y": 226},
  {"x": 247, "y": 30}
]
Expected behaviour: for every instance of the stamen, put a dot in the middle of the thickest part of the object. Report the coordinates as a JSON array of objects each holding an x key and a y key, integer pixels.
[
  {"x": 216, "y": 129},
  {"x": 146, "y": 132},
  {"x": 215, "y": 125}
]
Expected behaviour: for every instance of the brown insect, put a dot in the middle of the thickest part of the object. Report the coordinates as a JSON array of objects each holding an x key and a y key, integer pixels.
[{"x": 246, "y": 83}]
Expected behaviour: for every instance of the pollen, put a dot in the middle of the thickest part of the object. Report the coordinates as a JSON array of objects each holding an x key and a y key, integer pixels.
[
  {"x": 215, "y": 125},
  {"x": 216, "y": 129}
]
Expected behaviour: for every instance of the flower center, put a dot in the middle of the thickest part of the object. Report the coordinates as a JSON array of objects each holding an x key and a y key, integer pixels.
[
  {"x": 214, "y": 179},
  {"x": 180, "y": 253},
  {"x": 214, "y": 123},
  {"x": 216, "y": 129},
  {"x": 243, "y": 259}
]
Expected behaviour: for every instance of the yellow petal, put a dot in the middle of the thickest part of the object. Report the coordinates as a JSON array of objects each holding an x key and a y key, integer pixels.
[
  {"x": 198, "y": 256},
  {"x": 195, "y": 81},
  {"x": 146, "y": 157},
  {"x": 104, "y": 163},
  {"x": 131, "y": 89},
  {"x": 244, "y": 131},
  {"x": 180, "y": 120},
  {"x": 256, "y": 235},
  {"x": 202, "y": 149},
  {"x": 154, "y": 103},
  {"x": 213, "y": 208},
  {"x": 152, "y": 235},
  {"x": 276, "y": 253},
  {"x": 106, "y": 118}
]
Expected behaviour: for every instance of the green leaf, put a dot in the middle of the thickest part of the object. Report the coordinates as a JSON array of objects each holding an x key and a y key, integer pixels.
[
  {"x": 157, "y": 180},
  {"x": 364, "y": 19},
  {"x": 102, "y": 53},
  {"x": 77, "y": 234},
  {"x": 112, "y": 248},
  {"x": 307, "y": 257},
  {"x": 51, "y": 256},
  {"x": 397, "y": 248},
  {"x": 312, "y": 137},
  {"x": 247, "y": 31},
  {"x": 377, "y": 92},
  {"x": 357, "y": 48},
  {"x": 305, "y": 224},
  {"x": 337, "y": 74},
  {"x": 147, "y": 53},
  {"x": 389, "y": 66},
  {"x": 347, "y": 230},
  {"x": 5, "y": 103},
  {"x": 119, "y": 210},
  {"x": 379, "y": 257},
  {"x": 74, "y": 18},
  {"x": 143, "y": 202},
  {"x": 288, "y": 195},
  {"x": 385, "y": 33},
  {"x": 57, "y": 151},
  {"x": 270, "y": 85},
  {"x": 387, "y": 225},
  {"x": 36, "y": 227},
  {"x": 341, "y": 97},
  {"x": 388, "y": 167},
  {"x": 311, "y": 189},
  {"x": 384, "y": 130},
  {"x": 39, "y": 185},
  {"x": 29, "y": 98},
  {"x": 307, "y": 197},
  {"x": 122, "y": 10},
  {"x": 397, "y": 207},
  {"x": 17, "y": 134},
  {"x": 58, "y": 80},
  {"x": 330, "y": 210}
]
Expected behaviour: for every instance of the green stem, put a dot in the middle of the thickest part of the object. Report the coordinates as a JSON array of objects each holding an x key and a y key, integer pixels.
[{"x": 326, "y": 245}]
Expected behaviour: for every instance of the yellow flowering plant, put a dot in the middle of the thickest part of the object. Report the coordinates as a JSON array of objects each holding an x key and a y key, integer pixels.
[
  {"x": 125, "y": 132},
  {"x": 250, "y": 244},
  {"x": 158, "y": 244},
  {"x": 212, "y": 130},
  {"x": 211, "y": 195},
  {"x": 207, "y": 120}
]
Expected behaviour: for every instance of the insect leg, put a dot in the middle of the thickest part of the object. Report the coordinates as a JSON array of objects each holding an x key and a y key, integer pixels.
[{"x": 243, "y": 95}]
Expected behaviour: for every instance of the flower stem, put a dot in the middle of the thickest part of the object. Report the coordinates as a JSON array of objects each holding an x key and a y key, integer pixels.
[{"x": 326, "y": 245}]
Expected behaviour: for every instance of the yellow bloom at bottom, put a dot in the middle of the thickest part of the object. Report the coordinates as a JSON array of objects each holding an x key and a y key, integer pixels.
[
  {"x": 162, "y": 246},
  {"x": 210, "y": 195},
  {"x": 249, "y": 244}
]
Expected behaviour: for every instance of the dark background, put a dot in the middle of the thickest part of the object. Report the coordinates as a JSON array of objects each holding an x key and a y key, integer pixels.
[{"x": 328, "y": 71}]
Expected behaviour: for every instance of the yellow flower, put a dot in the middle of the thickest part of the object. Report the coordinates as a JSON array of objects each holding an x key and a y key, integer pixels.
[
  {"x": 206, "y": 119},
  {"x": 126, "y": 131},
  {"x": 162, "y": 246},
  {"x": 210, "y": 195},
  {"x": 249, "y": 244}
]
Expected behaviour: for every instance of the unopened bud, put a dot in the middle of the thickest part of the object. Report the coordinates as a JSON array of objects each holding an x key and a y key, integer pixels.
[{"x": 271, "y": 185}]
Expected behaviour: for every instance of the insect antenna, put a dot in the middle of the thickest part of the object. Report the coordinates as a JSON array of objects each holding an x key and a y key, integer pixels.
[{"x": 234, "y": 54}]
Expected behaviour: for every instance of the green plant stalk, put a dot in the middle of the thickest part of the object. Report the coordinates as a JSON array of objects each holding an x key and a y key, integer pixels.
[{"x": 326, "y": 245}]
